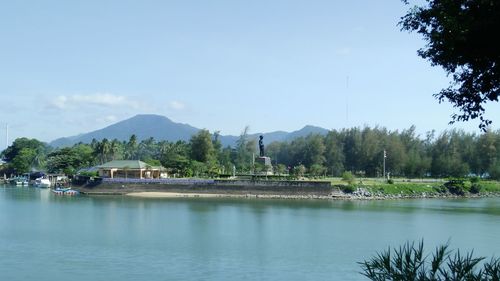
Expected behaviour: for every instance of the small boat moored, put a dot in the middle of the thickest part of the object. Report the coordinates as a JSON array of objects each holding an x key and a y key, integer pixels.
[
  {"x": 42, "y": 182},
  {"x": 19, "y": 181},
  {"x": 65, "y": 191}
]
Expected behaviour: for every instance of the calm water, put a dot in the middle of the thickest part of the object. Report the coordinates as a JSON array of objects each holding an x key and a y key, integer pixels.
[{"x": 48, "y": 237}]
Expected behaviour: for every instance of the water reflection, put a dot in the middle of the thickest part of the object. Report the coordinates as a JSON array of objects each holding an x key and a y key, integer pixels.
[{"x": 122, "y": 238}]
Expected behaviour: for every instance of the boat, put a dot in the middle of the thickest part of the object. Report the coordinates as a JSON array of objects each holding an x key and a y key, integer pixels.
[
  {"x": 17, "y": 181},
  {"x": 42, "y": 182},
  {"x": 65, "y": 191}
]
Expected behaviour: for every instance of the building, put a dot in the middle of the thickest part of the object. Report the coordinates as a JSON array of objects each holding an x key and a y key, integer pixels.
[{"x": 129, "y": 169}]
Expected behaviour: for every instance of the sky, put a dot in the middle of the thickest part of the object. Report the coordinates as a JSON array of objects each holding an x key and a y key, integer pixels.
[{"x": 70, "y": 67}]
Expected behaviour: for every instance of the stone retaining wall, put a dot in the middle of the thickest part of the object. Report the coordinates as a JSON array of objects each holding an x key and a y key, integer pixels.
[{"x": 253, "y": 187}]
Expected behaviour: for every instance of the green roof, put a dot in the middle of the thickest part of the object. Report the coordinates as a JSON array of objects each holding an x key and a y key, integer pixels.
[{"x": 122, "y": 164}]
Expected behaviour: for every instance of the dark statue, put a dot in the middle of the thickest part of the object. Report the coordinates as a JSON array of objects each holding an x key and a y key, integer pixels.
[{"x": 261, "y": 146}]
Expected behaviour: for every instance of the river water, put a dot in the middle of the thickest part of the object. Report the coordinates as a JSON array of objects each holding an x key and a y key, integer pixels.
[{"x": 49, "y": 237}]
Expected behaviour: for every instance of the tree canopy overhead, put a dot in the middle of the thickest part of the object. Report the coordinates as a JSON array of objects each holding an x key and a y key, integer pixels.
[{"x": 462, "y": 37}]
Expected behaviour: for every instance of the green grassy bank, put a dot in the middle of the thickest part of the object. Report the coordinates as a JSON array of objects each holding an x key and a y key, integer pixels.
[{"x": 460, "y": 187}]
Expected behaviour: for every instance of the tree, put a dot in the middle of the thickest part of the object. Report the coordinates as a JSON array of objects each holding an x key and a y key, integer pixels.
[
  {"x": 245, "y": 148},
  {"x": 315, "y": 151},
  {"x": 224, "y": 158},
  {"x": 64, "y": 159},
  {"x": 459, "y": 38},
  {"x": 299, "y": 170},
  {"x": 69, "y": 159},
  {"x": 103, "y": 150},
  {"x": 352, "y": 148},
  {"x": 25, "y": 154},
  {"x": 174, "y": 156},
  {"x": 84, "y": 152},
  {"x": 131, "y": 148},
  {"x": 202, "y": 149},
  {"x": 487, "y": 152},
  {"x": 317, "y": 170},
  {"x": 371, "y": 150},
  {"x": 147, "y": 149},
  {"x": 22, "y": 162},
  {"x": 334, "y": 154},
  {"x": 280, "y": 169},
  {"x": 115, "y": 149}
]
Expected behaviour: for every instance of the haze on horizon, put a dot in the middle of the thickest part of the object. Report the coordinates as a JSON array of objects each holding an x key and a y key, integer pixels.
[{"x": 74, "y": 67}]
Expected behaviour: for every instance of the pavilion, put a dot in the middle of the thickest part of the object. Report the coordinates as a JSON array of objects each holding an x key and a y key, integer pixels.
[{"x": 129, "y": 169}]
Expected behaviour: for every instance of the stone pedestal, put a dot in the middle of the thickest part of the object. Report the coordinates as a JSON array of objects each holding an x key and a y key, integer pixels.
[{"x": 265, "y": 162}]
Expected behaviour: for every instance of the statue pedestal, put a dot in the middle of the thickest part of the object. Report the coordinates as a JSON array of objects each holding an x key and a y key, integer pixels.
[{"x": 264, "y": 162}]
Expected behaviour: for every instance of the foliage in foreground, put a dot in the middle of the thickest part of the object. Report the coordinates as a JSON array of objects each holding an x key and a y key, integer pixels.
[
  {"x": 458, "y": 37},
  {"x": 408, "y": 262}
]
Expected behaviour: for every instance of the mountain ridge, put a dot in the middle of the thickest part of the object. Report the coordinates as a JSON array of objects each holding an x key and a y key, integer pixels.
[{"x": 162, "y": 128}]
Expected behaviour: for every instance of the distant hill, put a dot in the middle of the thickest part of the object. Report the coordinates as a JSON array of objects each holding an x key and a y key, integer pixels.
[{"x": 159, "y": 127}]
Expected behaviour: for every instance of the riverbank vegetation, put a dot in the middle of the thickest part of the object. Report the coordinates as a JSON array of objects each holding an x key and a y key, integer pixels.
[
  {"x": 358, "y": 151},
  {"x": 402, "y": 187},
  {"x": 409, "y": 262}
]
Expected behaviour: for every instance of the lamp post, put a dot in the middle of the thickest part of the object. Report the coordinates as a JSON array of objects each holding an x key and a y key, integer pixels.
[{"x": 385, "y": 156}]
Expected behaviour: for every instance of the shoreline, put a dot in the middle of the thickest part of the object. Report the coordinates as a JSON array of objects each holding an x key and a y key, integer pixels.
[
  {"x": 345, "y": 197},
  {"x": 260, "y": 189}
]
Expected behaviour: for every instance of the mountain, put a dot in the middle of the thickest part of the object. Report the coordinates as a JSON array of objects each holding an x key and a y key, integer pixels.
[
  {"x": 143, "y": 126},
  {"x": 159, "y": 127}
]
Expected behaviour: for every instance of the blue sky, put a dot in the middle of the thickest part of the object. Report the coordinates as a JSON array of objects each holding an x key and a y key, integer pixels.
[{"x": 69, "y": 67}]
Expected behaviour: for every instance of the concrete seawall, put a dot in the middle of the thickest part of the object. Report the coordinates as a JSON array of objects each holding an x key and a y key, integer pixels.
[{"x": 243, "y": 187}]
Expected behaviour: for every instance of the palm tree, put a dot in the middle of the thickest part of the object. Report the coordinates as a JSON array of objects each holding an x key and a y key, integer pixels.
[
  {"x": 131, "y": 148},
  {"x": 114, "y": 149},
  {"x": 103, "y": 150}
]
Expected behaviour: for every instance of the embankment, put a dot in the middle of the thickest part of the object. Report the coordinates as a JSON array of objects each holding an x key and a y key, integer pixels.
[{"x": 246, "y": 188}]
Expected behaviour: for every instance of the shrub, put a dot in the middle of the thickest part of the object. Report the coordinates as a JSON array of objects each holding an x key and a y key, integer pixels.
[
  {"x": 440, "y": 189},
  {"x": 408, "y": 262},
  {"x": 475, "y": 179},
  {"x": 348, "y": 188},
  {"x": 456, "y": 186},
  {"x": 90, "y": 174},
  {"x": 475, "y": 188},
  {"x": 348, "y": 177}
]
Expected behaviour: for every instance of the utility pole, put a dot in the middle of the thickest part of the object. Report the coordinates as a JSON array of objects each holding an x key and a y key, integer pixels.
[
  {"x": 385, "y": 156},
  {"x": 253, "y": 164}
]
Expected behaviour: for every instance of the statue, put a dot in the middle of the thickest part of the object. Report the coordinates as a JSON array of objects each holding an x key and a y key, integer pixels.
[{"x": 261, "y": 146}]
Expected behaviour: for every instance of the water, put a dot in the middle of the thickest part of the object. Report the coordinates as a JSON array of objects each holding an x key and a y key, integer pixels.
[{"x": 48, "y": 237}]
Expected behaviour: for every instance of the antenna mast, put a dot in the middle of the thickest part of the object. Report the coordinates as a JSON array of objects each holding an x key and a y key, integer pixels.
[
  {"x": 347, "y": 101},
  {"x": 6, "y": 135}
]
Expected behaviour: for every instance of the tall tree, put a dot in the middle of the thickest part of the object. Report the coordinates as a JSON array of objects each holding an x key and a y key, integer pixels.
[
  {"x": 334, "y": 154},
  {"x": 131, "y": 148},
  {"x": 245, "y": 148},
  {"x": 459, "y": 38},
  {"x": 487, "y": 152},
  {"x": 25, "y": 154},
  {"x": 103, "y": 150},
  {"x": 315, "y": 152},
  {"x": 115, "y": 149},
  {"x": 175, "y": 157},
  {"x": 202, "y": 149}
]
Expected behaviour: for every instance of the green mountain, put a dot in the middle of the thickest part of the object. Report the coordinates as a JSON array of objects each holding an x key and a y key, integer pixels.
[{"x": 159, "y": 127}]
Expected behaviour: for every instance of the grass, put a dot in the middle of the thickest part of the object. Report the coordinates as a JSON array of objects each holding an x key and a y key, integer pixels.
[
  {"x": 490, "y": 186},
  {"x": 406, "y": 187},
  {"x": 403, "y": 188}
]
